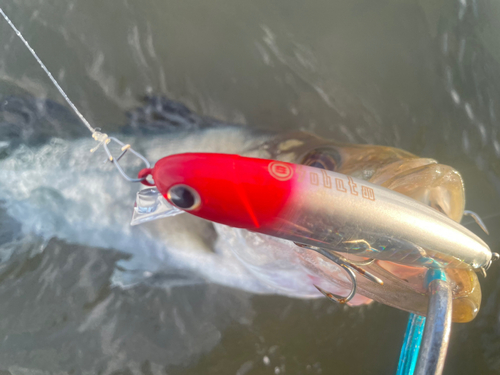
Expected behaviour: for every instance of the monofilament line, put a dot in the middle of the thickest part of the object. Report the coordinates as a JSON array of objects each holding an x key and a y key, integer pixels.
[
  {"x": 102, "y": 138},
  {"x": 61, "y": 91}
]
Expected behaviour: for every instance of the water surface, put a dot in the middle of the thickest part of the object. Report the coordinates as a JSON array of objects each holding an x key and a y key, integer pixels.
[{"x": 419, "y": 75}]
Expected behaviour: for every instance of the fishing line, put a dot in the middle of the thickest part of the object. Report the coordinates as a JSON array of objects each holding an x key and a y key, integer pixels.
[
  {"x": 102, "y": 138},
  {"x": 49, "y": 74}
]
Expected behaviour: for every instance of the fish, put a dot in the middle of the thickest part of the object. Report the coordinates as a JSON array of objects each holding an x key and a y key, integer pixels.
[{"x": 63, "y": 191}]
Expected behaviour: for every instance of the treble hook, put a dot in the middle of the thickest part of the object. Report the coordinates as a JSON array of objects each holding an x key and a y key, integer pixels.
[
  {"x": 348, "y": 267},
  {"x": 477, "y": 219},
  {"x": 494, "y": 257},
  {"x": 335, "y": 297}
]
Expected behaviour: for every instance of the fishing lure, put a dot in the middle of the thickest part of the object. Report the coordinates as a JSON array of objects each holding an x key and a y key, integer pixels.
[{"x": 320, "y": 210}]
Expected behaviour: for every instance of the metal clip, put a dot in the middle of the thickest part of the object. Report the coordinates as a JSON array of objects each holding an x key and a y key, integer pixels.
[{"x": 104, "y": 140}]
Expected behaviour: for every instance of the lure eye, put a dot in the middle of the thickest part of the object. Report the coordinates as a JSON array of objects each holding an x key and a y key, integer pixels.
[{"x": 184, "y": 197}]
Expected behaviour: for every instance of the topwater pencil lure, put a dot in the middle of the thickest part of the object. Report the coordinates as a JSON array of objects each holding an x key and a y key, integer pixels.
[{"x": 317, "y": 209}]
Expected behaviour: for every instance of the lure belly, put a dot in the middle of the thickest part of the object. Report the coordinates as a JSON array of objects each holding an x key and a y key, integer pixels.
[{"x": 316, "y": 207}]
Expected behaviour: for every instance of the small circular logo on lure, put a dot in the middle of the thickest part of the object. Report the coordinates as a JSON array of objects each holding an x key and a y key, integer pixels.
[{"x": 280, "y": 171}]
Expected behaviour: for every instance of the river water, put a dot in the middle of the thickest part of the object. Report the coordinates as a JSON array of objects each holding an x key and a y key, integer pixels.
[{"x": 422, "y": 75}]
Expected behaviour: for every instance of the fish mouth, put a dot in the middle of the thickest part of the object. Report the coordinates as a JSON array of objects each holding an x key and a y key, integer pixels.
[
  {"x": 436, "y": 185},
  {"x": 423, "y": 179}
]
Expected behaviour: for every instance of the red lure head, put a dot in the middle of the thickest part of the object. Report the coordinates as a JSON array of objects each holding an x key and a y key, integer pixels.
[{"x": 229, "y": 189}]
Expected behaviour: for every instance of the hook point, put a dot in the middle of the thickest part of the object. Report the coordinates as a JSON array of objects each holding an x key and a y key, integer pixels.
[{"x": 478, "y": 220}]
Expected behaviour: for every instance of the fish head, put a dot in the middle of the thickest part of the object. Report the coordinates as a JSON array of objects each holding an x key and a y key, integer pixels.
[{"x": 423, "y": 179}]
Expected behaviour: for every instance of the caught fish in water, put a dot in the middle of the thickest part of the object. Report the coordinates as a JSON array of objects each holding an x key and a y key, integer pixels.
[
  {"x": 64, "y": 192},
  {"x": 299, "y": 226}
]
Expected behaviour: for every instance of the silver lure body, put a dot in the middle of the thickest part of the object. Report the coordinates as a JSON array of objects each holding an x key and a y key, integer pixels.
[{"x": 349, "y": 215}]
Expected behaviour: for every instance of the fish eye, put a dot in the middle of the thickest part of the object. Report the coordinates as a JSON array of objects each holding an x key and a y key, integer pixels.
[
  {"x": 322, "y": 158},
  {"x": 184, "y": 197}
]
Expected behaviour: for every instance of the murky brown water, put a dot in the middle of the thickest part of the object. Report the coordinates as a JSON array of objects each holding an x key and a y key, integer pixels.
[{"x": 420, "y": 75}]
